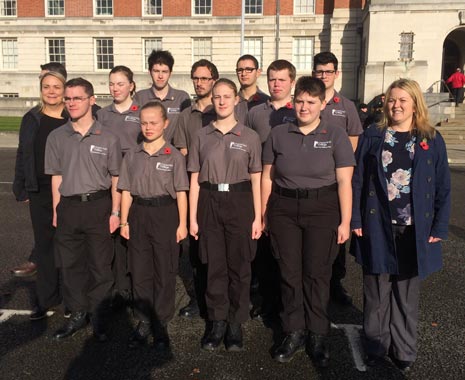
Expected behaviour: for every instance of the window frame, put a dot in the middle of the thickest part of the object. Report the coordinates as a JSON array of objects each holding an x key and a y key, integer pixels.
[
  {"x": 47, "y": 8},
  {"x": 55, "y": 54},
  {"x": 145, "y": 7},
  {"x": 111, "y": 63},
  {"x": 298, "y": 6},
  {"x": 145, "y": 53},
  {"x": 96, "y": 14},
  {"x": 249, "y": 6},
  {"x": 297, "y": 58},
  {"x": 13, "y": 8},
  {"x": 196, "y": 57},
  {"x": 194, "y": 6},
  {"x": 14, "y": 61},
  {"x": 259, "y": 56},
  {"x": 407, "y": 40}
]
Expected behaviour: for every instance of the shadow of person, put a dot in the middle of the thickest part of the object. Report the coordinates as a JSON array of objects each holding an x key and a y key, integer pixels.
[{"x": 113, "y": 360}]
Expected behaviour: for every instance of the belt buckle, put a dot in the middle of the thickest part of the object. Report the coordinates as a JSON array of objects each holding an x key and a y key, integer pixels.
[
  {"x": 84, "y": 197},
  {"x": 223, "y": 187}
]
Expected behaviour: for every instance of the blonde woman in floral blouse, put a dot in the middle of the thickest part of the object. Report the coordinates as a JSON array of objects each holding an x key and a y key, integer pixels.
[{"x": 401, "y": 205}]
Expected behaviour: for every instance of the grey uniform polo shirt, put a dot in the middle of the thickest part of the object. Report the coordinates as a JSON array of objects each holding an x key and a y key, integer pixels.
[
  {"x": 307, "y": 161},
  {"x": 189, "y": 122},
  {"x": 86, "y": 163},
  {"x": 175, "y": 102},
  {"x": 149, "y": 176},
  {"x": 125, "y": 125},
  {"x": 258, "y": 98},
  {"x": 228, "y": 158},
  {"x": 341, "y": 112},
  {"x": 264, "y": 117}
]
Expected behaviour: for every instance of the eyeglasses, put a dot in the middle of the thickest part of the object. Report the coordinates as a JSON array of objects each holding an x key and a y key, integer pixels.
[
  {"x": 321, "y": 72},
  {"x": 248, "y": 70},
  {"x": 201, "y": 79},
  {"x": 76, "y": 99}
]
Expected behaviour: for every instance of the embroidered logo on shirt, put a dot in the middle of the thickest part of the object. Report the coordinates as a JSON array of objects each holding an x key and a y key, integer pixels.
[
  {"x": 340, "y": 113},
  {"x": 98, "y": 150},
  {"x": 239, "y": 146},
  {"x": 322, "y": 144},
  {"x": 289, "y": 119},
  {"x": 173, "y": 110},
  {"x": 132, "y": 119},
  {"x": 164, "y": 167}
]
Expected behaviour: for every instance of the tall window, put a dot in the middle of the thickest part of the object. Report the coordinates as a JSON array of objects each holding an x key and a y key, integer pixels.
[
  {"x": 152, "y": 7},
  {"x": 201, "y": 49},
  {"x": 7, "y": 7},
  {"x": 55, "y": 7},
  {"x": 150, "y": 44},
  {"x": 253, "y": 46},
  {"x": 104, "y": 53},
  {"x": 10, "y": 53},
  {"x": 406, "y": 46},
  {"x": 302, "y": 53},
  {"x": 253, "y": 7},
  {"x": 304, "y": 6},
  {"x": 104, "y": 7},
  {"x": 56, "y": 50},
  {"x": 202, "y": 7}
]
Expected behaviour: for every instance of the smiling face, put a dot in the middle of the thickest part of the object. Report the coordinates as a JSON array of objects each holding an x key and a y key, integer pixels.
[
  {"x": 280, "y": 84},
  {"x": 152, "y": 123},
  {"x": 52, "y": 91},
  {"x": 160, "y": 75},
  {"x": 401, "y": 109},
  {"x": 120, "y": 87},
  {"x": 308, "y": 108},
  {"x": 224, "y": 100}
]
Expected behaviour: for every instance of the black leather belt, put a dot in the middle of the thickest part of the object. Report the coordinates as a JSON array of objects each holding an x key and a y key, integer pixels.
[
  {"x": 89, "y": 196},
  {"x": 304, "y": 193},
  {"x": 245, "y": 186},
  {"x": 162, "y": 200}
]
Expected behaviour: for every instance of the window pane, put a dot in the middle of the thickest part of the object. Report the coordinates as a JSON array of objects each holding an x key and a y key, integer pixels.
[
  {"x": 152, "y": 7},
  {"x": 304, "y": 6},
  {"x": 56, "y": 50},
  {"x": 55, "y": 7},
  {"x": 253, "y": 46},
  {"x": 201, "y": 49},
  {"x": 149, "y": 46},
  {"x": 104, "y": 7},
  {"x": 253, "y": 7},
  {"x": 10, "y": 53},
  {"x": 406, "y": 46},
  {"x": 203, "y": 7},
  {"x": 302, "y": 53},
  {"x": 104, "y": 53},
  {"x": 8, "y": 8}
]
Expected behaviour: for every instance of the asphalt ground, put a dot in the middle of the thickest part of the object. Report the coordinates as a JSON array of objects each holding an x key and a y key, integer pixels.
[{"x": 28, "y": 351}]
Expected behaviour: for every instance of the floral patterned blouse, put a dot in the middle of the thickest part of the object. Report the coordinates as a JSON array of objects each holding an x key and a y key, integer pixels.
[{"x": 397, "y": 156}]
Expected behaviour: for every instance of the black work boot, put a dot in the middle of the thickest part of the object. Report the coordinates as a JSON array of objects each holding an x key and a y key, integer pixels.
[
  {"x": 191, "y": 310},
  {"x": 215, "y": 336},
  {"x": 233, "y": 339},
  {"x": 319, "y": 350},
  {"x": 139, "y": 336},
  {"x": 161, "y": 339},
  {"x": 291, "y": 344}
]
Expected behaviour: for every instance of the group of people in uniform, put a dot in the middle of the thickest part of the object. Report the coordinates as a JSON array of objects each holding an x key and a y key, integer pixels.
[{"x": 236, "y": 190}]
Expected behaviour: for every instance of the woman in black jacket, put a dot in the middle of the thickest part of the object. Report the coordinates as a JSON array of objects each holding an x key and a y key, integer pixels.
[{"x": 32, "y": 185}]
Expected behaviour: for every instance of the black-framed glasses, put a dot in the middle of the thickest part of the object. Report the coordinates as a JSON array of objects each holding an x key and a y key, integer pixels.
[
  {"x": 248, "y": 70},
  {"x": 326, "y": 72},
  {"x": 76, "y": 99},
  {"x": 201, "y": 79}
]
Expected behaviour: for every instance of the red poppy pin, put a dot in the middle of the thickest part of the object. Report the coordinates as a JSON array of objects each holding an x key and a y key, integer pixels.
[
  {"x": 134, "y": 108},
  {"x": 324, "y": 131},
  {"x": 97, "y": 132},
  {"x": 424, "y": 144},
  {"x": 336, "y": 99},
  {"x": 256, "y": 98},
  {"x": 167, "y": 150},
  {"x": 289, "y": 105}
]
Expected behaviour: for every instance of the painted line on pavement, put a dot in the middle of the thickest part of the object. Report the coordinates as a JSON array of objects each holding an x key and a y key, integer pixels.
[
  {"x": 6, "y": 314},
  {"x": 353, "y": 335}
]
